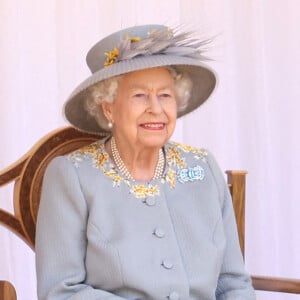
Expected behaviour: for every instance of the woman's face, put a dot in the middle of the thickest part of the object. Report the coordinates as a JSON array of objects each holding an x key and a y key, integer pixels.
[{"x": 144, "y": 111}]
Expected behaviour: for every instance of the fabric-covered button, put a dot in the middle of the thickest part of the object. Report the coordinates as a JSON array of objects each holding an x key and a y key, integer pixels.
[
  {"x": 158, "y": 232},
  {"x": 167, "y": 264},
  {"x": 174, "y": 296},
  {"x": 150, "y": 201}
]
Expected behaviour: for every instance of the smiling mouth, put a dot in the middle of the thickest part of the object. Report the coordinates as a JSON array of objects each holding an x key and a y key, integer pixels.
[{"x": 153, "y": 126}]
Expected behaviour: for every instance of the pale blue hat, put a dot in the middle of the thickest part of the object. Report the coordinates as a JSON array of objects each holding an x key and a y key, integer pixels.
[{"x": 137, "y": 48}]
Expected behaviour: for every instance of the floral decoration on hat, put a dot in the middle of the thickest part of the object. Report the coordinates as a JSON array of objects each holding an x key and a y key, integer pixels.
[{"x": 157, "y": 42}]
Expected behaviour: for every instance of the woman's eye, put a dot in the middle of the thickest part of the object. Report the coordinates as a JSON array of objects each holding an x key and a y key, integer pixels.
[
  {"x": 140, "y": 95},
  {"x": 165, "y": 95}
]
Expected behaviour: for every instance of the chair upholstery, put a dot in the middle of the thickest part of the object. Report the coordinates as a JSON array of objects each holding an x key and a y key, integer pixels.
[{"x": 27, "y": 174}]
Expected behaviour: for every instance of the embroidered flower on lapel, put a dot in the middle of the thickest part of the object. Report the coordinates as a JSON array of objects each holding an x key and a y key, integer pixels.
[
  {"x": 101, "y": 159},
  {"x": 199, "y": 153},
  {"x": 142, "y": 191},
  {"x": 173, "y": 157},
  {"x": 170, "y": 177},
  {"x": 114, "y": 175}
]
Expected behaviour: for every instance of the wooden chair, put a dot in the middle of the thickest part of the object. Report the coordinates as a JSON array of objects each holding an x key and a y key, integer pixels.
[{"x": 27, "y": 174}]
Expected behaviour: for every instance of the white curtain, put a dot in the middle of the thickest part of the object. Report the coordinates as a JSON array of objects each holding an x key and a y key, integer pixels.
[{"x": 251, "y": 122}]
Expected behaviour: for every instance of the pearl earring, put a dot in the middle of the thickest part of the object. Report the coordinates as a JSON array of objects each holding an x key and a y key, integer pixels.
[{"x": 110, "y": 125}]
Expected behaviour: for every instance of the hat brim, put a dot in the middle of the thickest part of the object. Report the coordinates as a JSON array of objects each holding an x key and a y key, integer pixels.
[{"x": 203, "y": 78}]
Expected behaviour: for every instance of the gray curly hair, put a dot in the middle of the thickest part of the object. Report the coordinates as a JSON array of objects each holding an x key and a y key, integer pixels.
[{"x": 107, "y": 89}]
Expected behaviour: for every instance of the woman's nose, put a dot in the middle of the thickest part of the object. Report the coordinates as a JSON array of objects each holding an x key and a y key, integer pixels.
[{"x": 155, "y": 104}]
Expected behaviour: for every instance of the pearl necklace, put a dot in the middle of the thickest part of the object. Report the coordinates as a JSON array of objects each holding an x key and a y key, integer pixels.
[{"x": 123, "y": 169}]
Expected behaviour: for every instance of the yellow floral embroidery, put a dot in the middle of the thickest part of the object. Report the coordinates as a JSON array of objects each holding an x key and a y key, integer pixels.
[
  {"x": 111, "y": 57},
  {"x": 142, "y": 191},
  {"x": 112, "y": 174},
  {"x": 199, "y": 153},
  {"x": 90, "y": 149},
  {"x": 173, "y": 157},
  {"x": 101, "y": 159},
  {"x": 171, "y": 178}
]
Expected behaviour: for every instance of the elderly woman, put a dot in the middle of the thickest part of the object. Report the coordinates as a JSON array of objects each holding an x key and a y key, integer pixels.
[{"x": 134, "y": 215}]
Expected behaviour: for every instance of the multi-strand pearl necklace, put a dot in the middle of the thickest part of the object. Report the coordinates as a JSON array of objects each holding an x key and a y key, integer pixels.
[{"x": 122, "y": 168}]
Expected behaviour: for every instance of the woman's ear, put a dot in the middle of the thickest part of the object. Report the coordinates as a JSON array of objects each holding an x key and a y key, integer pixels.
[{"x": 107, "y": 110}]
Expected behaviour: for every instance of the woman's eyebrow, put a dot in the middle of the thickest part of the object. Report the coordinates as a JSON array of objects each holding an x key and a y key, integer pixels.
[{"x": 145, "y": 87}]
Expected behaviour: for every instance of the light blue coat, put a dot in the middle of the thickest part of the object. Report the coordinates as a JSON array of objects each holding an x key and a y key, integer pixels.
[{"x": 101, "y": 236}]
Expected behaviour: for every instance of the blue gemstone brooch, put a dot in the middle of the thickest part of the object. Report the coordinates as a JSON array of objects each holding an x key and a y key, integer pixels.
[{"x": 190, "y": 174}]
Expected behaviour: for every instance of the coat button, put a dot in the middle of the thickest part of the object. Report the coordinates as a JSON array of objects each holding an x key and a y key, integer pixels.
[
  {"x": 167, "y": 264},
  {"x": 174, "y": 296},
  {"x": 158, "y": 232},
  {"x": 150, "y": 201}
]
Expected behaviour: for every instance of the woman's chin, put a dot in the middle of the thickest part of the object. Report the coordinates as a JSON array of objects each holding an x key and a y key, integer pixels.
[{"x": 154, "y": 140}]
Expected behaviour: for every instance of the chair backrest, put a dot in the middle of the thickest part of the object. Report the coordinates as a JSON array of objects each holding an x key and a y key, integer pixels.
[
  {"x": 7, "y": 291},
  {"x": 237, "y": 185},
  {"x": 27, "y": 174}
]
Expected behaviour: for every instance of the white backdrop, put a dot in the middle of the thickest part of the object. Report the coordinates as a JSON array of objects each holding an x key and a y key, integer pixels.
[{"x": 251, "y": 122}]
